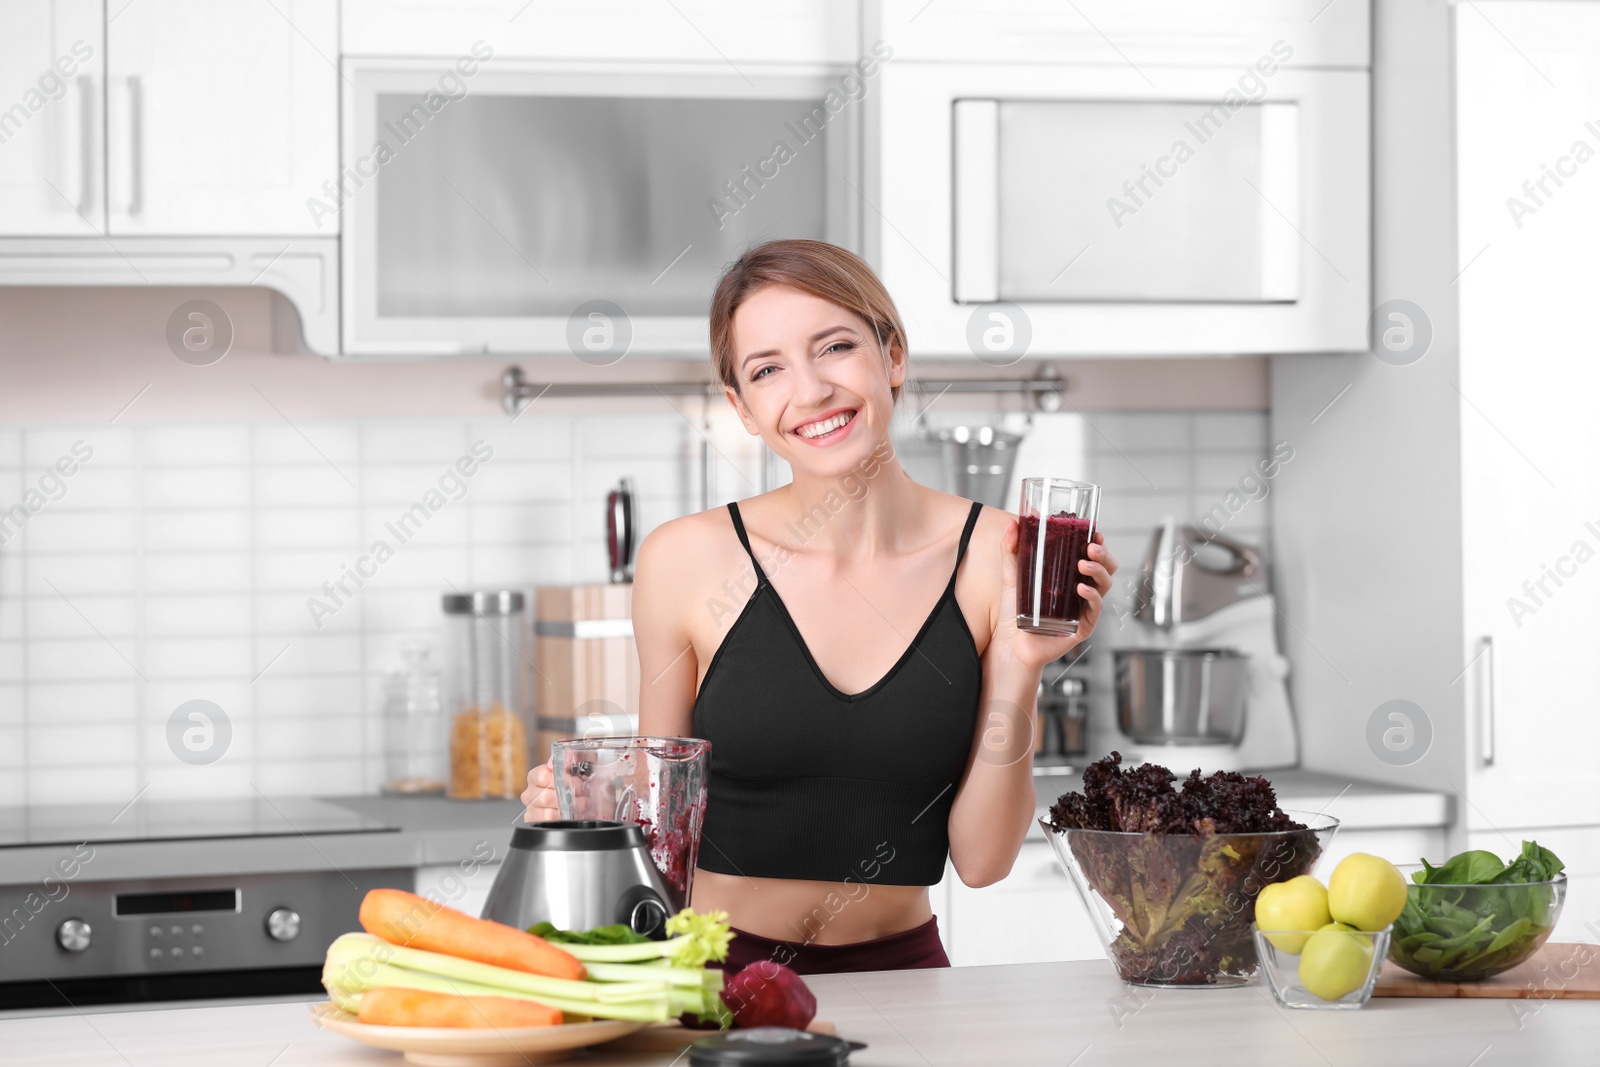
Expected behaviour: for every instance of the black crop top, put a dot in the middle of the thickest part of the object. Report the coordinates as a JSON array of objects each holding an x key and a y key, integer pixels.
[{"x": 810, "y": 783}]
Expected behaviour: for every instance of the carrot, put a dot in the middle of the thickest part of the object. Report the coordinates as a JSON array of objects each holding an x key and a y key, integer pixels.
[
  {"x": 402, "y": 918},
  {"x": 390, "y": 1006}
]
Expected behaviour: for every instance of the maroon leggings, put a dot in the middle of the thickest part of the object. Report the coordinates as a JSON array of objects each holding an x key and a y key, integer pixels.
[{"x": 918, "y": 947}]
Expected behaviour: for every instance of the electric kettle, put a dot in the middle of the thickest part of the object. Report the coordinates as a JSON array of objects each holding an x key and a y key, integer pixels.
[{"x": 578, "y": 874}]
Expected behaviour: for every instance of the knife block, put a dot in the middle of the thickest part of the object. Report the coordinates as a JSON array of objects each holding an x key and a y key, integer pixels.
[{"x": 587, "y": 680}]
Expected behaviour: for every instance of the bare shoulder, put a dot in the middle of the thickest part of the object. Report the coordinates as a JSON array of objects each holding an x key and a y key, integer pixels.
[
  {"x": 680, "y": 547},
  {"x": 988, "y": 536}
]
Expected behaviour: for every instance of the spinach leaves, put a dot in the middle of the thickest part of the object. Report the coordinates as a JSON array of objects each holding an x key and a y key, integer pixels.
[{"x": 1473, "y": 916}]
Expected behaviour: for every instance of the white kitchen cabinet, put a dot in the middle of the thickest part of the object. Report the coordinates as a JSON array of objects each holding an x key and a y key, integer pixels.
[
  {"x": 788, "y": 31},
  {"x": 52, "y": 81},
  {"x": 1528, "y": 193},
  {"x": 1035, "y": 915},
  {"x": 223, "y": 116},
  {"x": 463, "y": 886}
]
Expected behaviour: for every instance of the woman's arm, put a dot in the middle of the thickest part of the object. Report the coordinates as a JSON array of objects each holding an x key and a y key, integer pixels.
[
  {"x": 668, "y": 667},
  {"x": 995, "y": 802}
]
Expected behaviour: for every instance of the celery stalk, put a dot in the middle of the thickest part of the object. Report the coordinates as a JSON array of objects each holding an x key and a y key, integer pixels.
[
  {"x": 351, "y": 954},
  {"x": 655, "y": 1008}
]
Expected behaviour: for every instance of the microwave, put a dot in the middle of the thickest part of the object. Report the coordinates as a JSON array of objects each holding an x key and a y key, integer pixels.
[
  {"x": 502, "y": 206},
  {"x": 1194, "y": 200}
]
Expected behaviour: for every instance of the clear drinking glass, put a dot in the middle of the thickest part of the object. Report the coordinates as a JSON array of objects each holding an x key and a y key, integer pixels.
[
  {"x": 1058, "y": 524},
  {"x": 657, "y": 782}
]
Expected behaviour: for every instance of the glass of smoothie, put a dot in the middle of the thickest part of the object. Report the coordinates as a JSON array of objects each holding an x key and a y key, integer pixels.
[{"x": 1058, "y": 522}]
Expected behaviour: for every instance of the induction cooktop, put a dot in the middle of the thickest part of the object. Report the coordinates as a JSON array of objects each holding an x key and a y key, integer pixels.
[{"x": 175, "y": 820}]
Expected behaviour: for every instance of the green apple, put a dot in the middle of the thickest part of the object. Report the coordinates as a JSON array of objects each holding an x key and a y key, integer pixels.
[
  {"x": 1366, "y": 891},
  {"x": 1335, "y": 962},
  {"x": 1298, "y": 904}
]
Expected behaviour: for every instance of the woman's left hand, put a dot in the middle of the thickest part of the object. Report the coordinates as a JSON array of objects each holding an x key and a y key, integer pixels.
[{"x": 1035, "y": 650}]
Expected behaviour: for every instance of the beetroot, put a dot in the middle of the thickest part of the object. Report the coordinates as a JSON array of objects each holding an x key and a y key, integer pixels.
[{"x": 769, "y": 994}]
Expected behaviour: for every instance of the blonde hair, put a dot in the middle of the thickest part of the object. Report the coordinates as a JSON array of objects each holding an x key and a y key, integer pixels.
[{"x": 823, "y": 270}]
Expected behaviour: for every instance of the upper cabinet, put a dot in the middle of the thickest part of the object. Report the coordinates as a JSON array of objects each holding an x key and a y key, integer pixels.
[
  {"x": 223, "y": 116},
  {"x": 52, "y": 132},
  {"x": 718, "y": 31},
  {"x": 1151, "y": 178}
]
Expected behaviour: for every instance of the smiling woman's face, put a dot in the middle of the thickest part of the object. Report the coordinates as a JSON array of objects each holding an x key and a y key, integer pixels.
[{"x": 813, "y": 380}]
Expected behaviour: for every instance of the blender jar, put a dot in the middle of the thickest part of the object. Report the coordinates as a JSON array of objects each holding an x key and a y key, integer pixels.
[
  {"x": 488, "y": 724},
  {"x": 657, "y": 782}
]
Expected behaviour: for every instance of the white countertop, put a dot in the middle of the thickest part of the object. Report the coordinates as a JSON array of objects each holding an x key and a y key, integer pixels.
[{"x": 1056, "y": 1014}]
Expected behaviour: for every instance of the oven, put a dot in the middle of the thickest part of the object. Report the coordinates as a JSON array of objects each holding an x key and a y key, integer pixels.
[{"x": 70, "y": 937}]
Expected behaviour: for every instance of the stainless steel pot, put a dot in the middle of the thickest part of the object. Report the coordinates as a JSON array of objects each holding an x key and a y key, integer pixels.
[{"x": 1189, "y": 696}]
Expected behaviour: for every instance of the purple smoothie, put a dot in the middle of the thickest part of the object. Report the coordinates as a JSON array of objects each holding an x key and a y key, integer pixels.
[{"x": 1066, "y": 542}]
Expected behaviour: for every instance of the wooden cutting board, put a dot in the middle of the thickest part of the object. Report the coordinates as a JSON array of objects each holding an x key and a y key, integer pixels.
[{"x": 1558, "y": 971}]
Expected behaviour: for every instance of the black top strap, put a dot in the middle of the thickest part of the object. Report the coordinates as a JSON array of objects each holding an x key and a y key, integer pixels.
[
  {"x": 744, "y": 539},
  {"x": 961, "y": 552},
  {"x": 966, "y": 534}
]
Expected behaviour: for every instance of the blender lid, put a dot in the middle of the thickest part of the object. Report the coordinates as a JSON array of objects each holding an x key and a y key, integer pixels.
[
  {"x": 577, "y": 835},
  {"x": 771, "y": 1044}
]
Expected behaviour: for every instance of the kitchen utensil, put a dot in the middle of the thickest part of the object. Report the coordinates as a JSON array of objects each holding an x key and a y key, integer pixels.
[
  {"x": 978, "y": 461},
  {"x": 1558, "y": 971},
  {"x": 488, "y": 732},
  {"x": 672, "y": 1036},
  {"x": 658, "y": 782},
  {"x": 1057, "y": 526},
  {"x": 621, "y": 531},
  {"x": 441, "y": 1046},
  {"x": 579, "y": 874},
  {"x": 413, "y": 724},
  {"x": 1061, "y": 713},
  {"x": 1181, "y": 696},
  {"x": 1189, "y": 573},
  {"x": 588, "y": 668},
  {"x": 1199, "y": 592},
  {"x": 1283, "y": 969},
  {"x": 773, "y": 1045},
  {"x": 1128, "y": 880}
]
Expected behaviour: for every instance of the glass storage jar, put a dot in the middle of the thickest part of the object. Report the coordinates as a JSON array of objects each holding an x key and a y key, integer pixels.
[
  {"x": 413, "y": 724},
  {"x": 488, "y": 724}
]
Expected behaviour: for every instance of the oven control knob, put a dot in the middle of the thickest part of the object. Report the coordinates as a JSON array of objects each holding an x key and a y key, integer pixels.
[
  {"x": 283, "y": 924},
  {"x": 73, "y": 935}
]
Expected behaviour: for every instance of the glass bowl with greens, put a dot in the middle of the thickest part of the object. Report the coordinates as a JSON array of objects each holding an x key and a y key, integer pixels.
[
  {"x": 1170, "y": 873},
  {"x": 1474, "y": 916}
]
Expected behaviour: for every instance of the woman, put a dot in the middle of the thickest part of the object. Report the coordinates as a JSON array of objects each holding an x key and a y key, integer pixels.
[{"x": 847, "y": 643}]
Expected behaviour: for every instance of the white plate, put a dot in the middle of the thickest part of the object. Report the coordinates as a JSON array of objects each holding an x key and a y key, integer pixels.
[{"x": 444, "y": 1046}]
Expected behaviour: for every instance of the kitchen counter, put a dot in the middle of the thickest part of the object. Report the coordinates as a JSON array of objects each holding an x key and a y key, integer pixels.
[
  {"x": 1357, "y": 804},
  {"x": 1058, "y": 1014},
  {"x": 423, "y": 831},
  {"x": 434, "y": 830}
]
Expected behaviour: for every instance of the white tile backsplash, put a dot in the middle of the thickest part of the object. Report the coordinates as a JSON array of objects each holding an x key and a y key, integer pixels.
[{"x": 184, "y": 557}]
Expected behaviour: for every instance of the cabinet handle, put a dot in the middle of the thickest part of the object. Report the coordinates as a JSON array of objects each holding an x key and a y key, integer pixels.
[
  {"x": 135, "y": 146},
  {"x": 1486, "y": 702},
  {"x": 85, "y": 141}
]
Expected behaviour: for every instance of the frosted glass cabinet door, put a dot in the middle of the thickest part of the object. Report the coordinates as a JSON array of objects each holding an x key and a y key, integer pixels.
[
  {"x": 1096, "y": 179},
  {"x": 223, "y": 116},
  {"x": 52, "y": 81},
  {"x": 493, "y": 219}
]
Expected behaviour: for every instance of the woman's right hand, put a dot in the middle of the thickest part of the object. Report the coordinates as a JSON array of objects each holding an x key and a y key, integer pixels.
[{"x": 540, "y": 796}]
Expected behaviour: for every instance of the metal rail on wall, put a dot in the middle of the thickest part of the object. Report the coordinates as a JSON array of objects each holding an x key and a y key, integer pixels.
[{"x": 1045, "y": 388}]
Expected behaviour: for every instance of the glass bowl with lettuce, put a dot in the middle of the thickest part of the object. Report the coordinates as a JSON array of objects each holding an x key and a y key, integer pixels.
[
  {"x": 1170, "y": 875},
  {"x": 1474, "y": 916}
]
